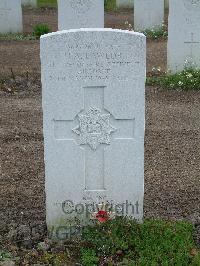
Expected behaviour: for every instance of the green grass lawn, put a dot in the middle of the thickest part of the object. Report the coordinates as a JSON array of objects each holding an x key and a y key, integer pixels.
[
  {"x": 110, "y": 5},
  {"x": 47, "y": 3}
]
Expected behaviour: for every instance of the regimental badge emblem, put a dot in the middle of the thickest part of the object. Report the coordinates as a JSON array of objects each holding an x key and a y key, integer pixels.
[{"x": 94, "y": 128}]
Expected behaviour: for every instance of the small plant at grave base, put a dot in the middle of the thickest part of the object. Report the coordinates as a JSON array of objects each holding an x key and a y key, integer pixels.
[
  {"x": 88, "y": 257},
  {"x": 122, "y": 241},
  {"x": 128, "y": 26},
  {"x": 156, "y": 33},
  {"x": 188, "y": 79},
  {"x": 40, "y": 29}
]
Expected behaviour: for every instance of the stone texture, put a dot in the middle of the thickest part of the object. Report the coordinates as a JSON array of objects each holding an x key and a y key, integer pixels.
[
  {"x": 184, "y": 37},
  {"x": 75, "y": 14},
  {"x": 10, "y": 16},
  {"x": 93, "y": 105},
  {"x": 148, "y": 14},
  {"x": 125, "y": 3},
  {"x": 32, "y": 3}
]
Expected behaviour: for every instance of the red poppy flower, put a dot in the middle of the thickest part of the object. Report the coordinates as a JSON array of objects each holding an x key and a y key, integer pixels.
[{"x": 102, "y": 216}]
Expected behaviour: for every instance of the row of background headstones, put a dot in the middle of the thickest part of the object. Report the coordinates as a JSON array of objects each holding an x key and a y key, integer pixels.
[
  {"x": 152, "y": 14},
  {"x": 183, "y": 29},
  {"x": 184, "y": 18},
  {"x": 119, "y": 3}
]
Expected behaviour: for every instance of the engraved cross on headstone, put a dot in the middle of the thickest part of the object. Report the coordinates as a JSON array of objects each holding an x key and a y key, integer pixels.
[
  {"x": 94, "y": 128},
  {"x": 192, "y": 42}
]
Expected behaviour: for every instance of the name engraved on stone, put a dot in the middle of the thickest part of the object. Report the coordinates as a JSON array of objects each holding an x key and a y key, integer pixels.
[{"x": 82, "y": 64}]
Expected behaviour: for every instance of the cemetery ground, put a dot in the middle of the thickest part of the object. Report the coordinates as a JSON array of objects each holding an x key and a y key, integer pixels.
[{"x": 171, "y": 159}]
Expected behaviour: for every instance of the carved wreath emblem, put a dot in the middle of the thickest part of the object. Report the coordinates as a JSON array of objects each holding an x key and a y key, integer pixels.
[
  {"x": 94, "y": 128},
  {"x": 81, "y": 6},
  {"x": 192, "y": 4}
]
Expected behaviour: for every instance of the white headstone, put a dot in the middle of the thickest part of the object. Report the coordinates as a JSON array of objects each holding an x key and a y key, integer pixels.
[
  {"x": 31, "y": 3},
  {"x": 10, "y": 16},
  {"x": 75, "y": 14},
  {"x": 184, "y": 35},
  {"x": 148, "y": 14},
  {"x": 125, "y": 3},
  {"x": 94, "y": 105}
]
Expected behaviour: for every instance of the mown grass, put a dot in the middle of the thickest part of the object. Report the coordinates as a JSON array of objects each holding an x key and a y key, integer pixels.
[{"x": 47, "y": 3}]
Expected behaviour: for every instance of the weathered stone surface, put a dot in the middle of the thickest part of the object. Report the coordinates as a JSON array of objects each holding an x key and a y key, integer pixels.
[
  {"x": 10, "y": 16},
  {"x": 32, "y": 3},
  {"x": 148, "y": 14},
  {"x": 75, "y": 14},
  {"x": 184, "y": 37},
  {"x": 93, "y": 103},
  {"x": 125, "y": 3}
]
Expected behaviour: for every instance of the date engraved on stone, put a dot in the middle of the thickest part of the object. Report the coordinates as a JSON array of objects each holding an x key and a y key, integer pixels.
[{"x": 94, "y": 128}]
